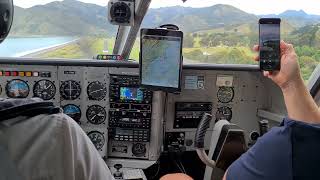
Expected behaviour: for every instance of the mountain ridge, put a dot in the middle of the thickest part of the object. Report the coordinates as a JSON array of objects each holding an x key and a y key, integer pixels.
[{"x": 75, "y": 18}]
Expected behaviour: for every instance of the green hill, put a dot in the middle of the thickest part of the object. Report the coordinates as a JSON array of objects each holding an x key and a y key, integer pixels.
[
  {"x": 195, "y": 19},
  {"x": 307, "y": 36},
  {"x": 66, "y": 18},
  {"x": 75, "y": 18}
]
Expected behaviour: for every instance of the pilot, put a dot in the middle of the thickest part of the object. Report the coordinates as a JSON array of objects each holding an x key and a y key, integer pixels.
[
  {"x": 290, "y": 151},
  {"x": 46, "y": 146}
]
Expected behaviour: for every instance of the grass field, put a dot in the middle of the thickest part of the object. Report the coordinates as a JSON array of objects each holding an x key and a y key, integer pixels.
[{"x": 87, "y": 48}]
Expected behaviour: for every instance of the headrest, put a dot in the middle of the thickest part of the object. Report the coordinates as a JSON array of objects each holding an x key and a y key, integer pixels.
[{"x": 6, "y": 18}]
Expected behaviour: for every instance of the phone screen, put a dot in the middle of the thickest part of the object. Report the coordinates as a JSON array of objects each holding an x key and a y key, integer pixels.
[{"x": 270, "y": 46}]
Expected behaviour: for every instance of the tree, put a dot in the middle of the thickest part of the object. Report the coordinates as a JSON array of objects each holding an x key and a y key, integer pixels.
[{"x": 188, "y": 41}]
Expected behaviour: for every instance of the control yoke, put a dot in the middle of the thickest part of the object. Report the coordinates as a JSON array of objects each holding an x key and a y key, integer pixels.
[
  {"x": 227, "y": 143},
  {"x": 199, "y": 140}
]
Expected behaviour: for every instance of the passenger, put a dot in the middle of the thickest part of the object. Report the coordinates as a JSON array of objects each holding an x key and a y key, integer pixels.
[
  {"x": 44, "y": 147},
  {"x": 271, "y": 157}
]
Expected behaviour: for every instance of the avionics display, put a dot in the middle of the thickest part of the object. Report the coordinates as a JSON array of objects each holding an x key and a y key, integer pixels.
[
  {"x": 127, "y": 93},
  {"x": 161, "y": 59},
  {"x": 130, "y": 110}
]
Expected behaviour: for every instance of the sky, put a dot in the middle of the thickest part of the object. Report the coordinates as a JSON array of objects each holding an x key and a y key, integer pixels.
[{"x": 259, "y": 7}]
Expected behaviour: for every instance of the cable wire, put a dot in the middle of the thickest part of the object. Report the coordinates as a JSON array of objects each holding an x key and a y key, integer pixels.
[
  {"x": 184, "y": 170},
  {"x": 181, "y": 170}
]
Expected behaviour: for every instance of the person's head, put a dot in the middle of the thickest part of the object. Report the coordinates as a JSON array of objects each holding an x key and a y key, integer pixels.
[{"x": 6, "y": 18}]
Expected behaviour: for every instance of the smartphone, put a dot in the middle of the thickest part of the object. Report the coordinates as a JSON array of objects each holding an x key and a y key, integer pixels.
[{"x": 269, "y": 41}]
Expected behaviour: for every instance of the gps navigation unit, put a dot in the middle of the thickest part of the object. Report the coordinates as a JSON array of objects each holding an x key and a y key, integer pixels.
[{"x": 161, "y": 59}]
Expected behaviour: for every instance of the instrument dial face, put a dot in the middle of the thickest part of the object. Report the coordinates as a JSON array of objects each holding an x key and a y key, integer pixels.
[
  {"x": 224, "y": 113},
  {"x": 96, "y": 114},
  {"x": 72, "y": 111},
  {"x": 96, "y": 91},
  {"x": 70, "y": 90},
  {"x": 17, "y": 89},
  {"x": 139, "y": 150},
  {"x": 44, "y": 89},
  {"x": 225, "y": 94},
  {"x": 97, "y": 139}
]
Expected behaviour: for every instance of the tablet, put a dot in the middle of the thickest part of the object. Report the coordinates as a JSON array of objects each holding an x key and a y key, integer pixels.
[{"x": 161, "y": 59}]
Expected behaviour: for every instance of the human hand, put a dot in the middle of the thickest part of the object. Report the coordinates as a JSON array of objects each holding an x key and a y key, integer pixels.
[
  {"x": 178, "y": 176},
  {"x": 289, "y": 73}
]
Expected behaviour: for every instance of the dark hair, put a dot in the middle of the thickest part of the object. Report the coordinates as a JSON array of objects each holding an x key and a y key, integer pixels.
[{"x": 6, "y": 18}]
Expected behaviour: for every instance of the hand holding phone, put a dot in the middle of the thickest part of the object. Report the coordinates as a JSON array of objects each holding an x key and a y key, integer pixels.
[
  {"x": 289, "y": 74},
  {"x": 269, "y": 38}
]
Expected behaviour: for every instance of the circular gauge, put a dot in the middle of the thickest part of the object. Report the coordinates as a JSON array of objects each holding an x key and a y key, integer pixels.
[
  {"x": 96, "y": 114},
  {"x": 120, "y": 12},
  {"x": 224, "y": 113},
  {"x": 254, "y": 135},
  {"x": 72, "y": 111},
  {"x": 17, "y": 89},
  {"x": 70, "y": 90},
  {"x": 139, "y": 150},
  {"x": 97, "y": 139},
  {"x": 225, "y": 94},
  {"x": 96, "y": 91},
  {"x": 44, "y": 89}
]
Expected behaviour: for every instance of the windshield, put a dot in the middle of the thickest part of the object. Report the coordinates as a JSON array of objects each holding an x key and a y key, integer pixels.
[
  {"x": 59, "y": 29},
  {"x": 215, "y": 31},
  {"x": 224, "y": 31}
]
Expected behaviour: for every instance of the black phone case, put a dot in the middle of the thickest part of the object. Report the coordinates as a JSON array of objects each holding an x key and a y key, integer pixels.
[{"x": 269, "y": 65}]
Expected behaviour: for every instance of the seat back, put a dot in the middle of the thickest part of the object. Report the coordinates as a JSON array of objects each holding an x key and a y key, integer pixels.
[
  {"x": 14, "y": 109},
  {"x": 305, "y": 151}
]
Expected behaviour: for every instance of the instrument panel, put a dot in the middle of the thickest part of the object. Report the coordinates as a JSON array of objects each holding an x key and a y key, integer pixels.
[{"x": 126, "y": 121}]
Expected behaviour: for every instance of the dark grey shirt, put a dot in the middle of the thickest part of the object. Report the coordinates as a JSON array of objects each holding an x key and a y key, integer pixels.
[{"x": 289, "y": 152}]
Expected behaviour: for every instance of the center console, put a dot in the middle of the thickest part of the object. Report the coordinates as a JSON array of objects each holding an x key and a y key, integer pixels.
[{"x": 129, "y": 117}]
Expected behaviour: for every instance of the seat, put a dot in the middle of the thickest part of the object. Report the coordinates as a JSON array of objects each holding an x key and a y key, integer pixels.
[{"x": 305, "y": 151}]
